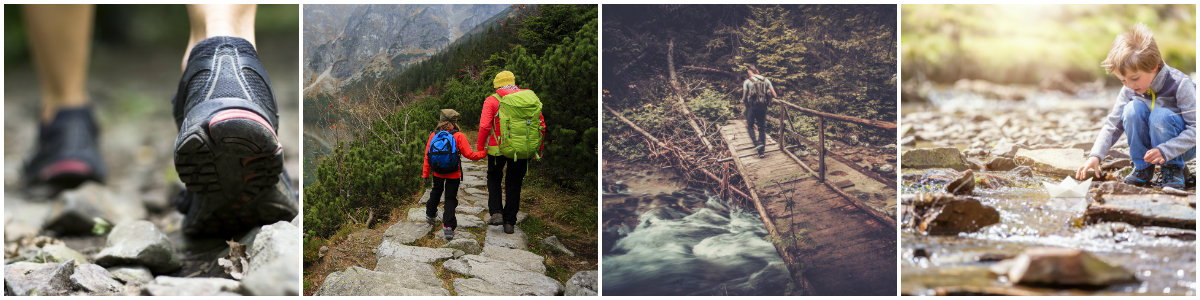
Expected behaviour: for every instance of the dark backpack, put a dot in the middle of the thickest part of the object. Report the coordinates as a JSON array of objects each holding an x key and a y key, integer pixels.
[
  {"x": 758, "y": 90},
  {"x": 443, "y": 153}
]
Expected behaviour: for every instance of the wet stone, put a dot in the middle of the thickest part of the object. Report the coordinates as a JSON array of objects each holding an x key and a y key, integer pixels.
[
  {"x": 1143, "y": 210},
  {"x": 948, "y": 215},
  {"x": 1001, "y": 164},
  {"x": 139, "y": 243},
  {"x": 933, "y": 158},
  {"x": 963, "y": 185},
  {"x": 1022, "y": 172},
  {"x": 1053, "y": 162},
  {"x": 1062, "y": 267}
]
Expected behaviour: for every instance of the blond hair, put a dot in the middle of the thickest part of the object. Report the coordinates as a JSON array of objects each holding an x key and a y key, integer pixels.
[{"x": 1133, "y": 51}]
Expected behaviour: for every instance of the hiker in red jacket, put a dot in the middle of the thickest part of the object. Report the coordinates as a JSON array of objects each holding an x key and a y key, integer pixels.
[
  {"x": 447, "y": 158},
  {"x": 502, "y": 212}
]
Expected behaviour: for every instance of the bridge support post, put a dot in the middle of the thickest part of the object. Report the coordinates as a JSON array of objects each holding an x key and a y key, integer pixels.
[{"x": 821, "y": 143}]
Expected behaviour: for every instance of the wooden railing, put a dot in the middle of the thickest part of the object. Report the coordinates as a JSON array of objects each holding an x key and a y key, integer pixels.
[{"x": 785, "y": 126}]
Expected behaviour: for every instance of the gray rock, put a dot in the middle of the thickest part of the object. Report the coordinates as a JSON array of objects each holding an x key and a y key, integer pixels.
[
  {"x": 495, "y": 236},
  {"x": 413, "y": 253},
  {"x": 417, "y": 214},
  {"x": 475, "y": 191},
  {"x": 425, "y": 196},
  {"x": 131, "y": 275},
  {"x": 179, "y": 286},
  {"x": 474, "y": 181},
  {"x": 885, "y": 168},
  {"x": 1062, "y": 267},
  {"x": 95, "y": 280},
  {"x": 139, "y": 243},
  {"x": 949, "y": 215},
  {"x": 356, "y": 281},
  {"x": 458, "y": 235},
  {"x": 470, "y": 210},
  {"x": 1004, "y": 148},
  {"x": 92, "y": 200},
  {"x": 583, "y": 283},
  {"x": 495, "y": 277},
  {"x": 24, "y": 218},
  {"x": 51, "y": 251},
  {"x": 525, "y": 259},
  {"x": 1001, "y": 164},
  {"x": 1054, "y": 162},
  {"x": 933, "y": 158},
  {"x": 1022, "y": 171},
  {"x": 468, "y": 221},
  {"x": 553, "y": 243},
  {"x": 273, "y": 257},
  {"x": 1143, "y": 210},
  {"x": 407, "y": 232},
  {"x": 521, "y": 216},
  {"x": 45, "y": 279},
  {"x": 468, "y": 246}
]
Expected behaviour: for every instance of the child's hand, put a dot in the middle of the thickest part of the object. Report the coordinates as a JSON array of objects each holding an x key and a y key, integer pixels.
[
  {"x": 1154, "y": 157},
  {"x": 1092, "y": 163}
]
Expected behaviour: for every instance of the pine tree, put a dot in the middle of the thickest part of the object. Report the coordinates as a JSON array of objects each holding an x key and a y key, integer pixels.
[{"x": 770, "y": 43}]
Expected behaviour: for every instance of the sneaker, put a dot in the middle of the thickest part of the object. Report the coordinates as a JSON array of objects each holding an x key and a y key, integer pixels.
[
  {"x": 431, "y": 220},
  {"x": 447, "y": 232},
  {"x": 227, "y": 152},
  {"x": 762, "y": 151},
  {"x": 508, "y": 228},
  {"x": 1173, "y": 176},
  {"x": 1141, "y": 177},
  {"x": 496, "y": 219},
  {"x": 66, "y": 154}
]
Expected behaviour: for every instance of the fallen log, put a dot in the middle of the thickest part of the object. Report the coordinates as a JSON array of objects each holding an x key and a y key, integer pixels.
[{"x": 687, "y": 114}]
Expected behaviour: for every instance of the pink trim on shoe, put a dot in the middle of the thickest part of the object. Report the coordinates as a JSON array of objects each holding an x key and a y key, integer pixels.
[
  {"x": 230, "y": 114},
  {"x": 70, "y": 166}
]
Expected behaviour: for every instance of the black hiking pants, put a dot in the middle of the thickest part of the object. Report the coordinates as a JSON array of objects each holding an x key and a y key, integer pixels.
[
  {"x": 496, "y": 173},
  {"x": 756, "y": 115},
  {"x": 450, "y": 187}
]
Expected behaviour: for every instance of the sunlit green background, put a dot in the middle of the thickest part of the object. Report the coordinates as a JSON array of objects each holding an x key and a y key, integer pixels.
[{"x": 1022, "y": 44}]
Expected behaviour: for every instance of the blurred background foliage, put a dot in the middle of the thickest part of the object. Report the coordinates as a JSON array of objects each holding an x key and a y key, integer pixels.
[{"x": 1025, "y": 44}]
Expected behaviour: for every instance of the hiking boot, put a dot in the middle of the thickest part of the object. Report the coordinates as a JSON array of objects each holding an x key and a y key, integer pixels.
[
  {"x": 1141, "y": 177},
  {"x": 227, "y": 152},
  {"x": 448, "y": 233},
  {"x": 508, "y": 228},
  {"x": 431, "y": 220},
  {"x": 496, "y": 219},
  {"x": 1173, "y": 176},
  {"x": 66, "y": 154}
]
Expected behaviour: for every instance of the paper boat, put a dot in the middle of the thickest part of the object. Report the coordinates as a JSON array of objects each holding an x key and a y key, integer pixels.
[{"x": 1068, "y": 188}]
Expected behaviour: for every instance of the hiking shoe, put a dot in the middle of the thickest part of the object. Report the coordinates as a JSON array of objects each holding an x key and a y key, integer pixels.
[
  {"x": 1173, "y": 176},
  {"x": 431, "y": 220},
  {"x": 447, "y": 232},
  {"x": 227, "y": 152},
  {"x": 66, "y": 154},
  {"x": 496, "y": 219},
  {"x": 508, "y": 228},
  {"x": 1141, "y": 177}
]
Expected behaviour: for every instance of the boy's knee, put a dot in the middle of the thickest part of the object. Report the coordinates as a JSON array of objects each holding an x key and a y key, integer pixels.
[{"x": 1135, "y": 110}]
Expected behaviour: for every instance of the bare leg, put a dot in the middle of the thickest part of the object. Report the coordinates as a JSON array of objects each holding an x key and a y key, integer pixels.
[
  {"x": 209, "y": 20},
  {"x": 60, "y": 38}
]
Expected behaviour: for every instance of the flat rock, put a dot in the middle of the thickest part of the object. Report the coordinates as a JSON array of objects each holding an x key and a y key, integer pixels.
[
  {"x": 468, "y": 246},
  {"x": 470, "y": 210},
  {"x": 179, "y": 286},
  {"x": 417, "y": 214},
  {"x": 525, "y": 259},
  {"x": 468, "y": 221},
  {"x": 356, "y": 281},
  {"x": 413, "y": 253},
  {"x": 1006, "y": 149},
  {"x": 273, "y": 256},
  {"x": 133, "y": 275},
  {"x": 425, "y": 196},
  {"x": 933, "y": 158},
  {"x": 1001, "y": 164},
  {"x": 495, "y": 277},
  {"x": 475, "y": 191},
  {"x": 1022, "y": 172},
  {"x": 553, "y": 243},
  {"x": 77, "y": 208},
  {"x": 1143, "y": 210},
  {"x": 458, "y": 235},
  {"x": 50, "y": 250},
  {"x": 495, "y": 236},
  {"x": 407, "y": 232},
  {"x": 1054, "y": 162},
  {"x": 583, "y": 283},
  {"x": 951, "y": 216},
  {"x": 45, "y": 279},
  {"x": 474, "y": 181},
  {"x": 1062, "y": 267},
  {"x": 95, "y": 280},
  {"x": 139, "y": 243}
]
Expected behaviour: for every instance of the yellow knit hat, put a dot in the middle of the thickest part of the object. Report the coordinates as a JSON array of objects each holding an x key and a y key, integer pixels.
[{"x": 504, "y": 78}]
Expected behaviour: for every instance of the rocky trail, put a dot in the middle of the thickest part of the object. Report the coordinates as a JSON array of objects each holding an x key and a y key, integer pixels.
[
  {"x": 979, "y": 217},
  {"x": 50, "y": 247},
  {"x": 413, "y": 257}
]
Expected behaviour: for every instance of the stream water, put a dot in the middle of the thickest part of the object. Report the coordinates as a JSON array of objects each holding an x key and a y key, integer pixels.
[{"x": 665, "y": 239}]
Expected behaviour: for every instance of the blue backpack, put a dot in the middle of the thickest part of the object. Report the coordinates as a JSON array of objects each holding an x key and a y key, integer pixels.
[{"x": 443, "y": 153}]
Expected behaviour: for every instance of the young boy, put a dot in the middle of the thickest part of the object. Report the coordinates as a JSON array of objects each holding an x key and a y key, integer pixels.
[
  {"x": 1156, "y": 109},
  {"x": 441, "y": 158}
]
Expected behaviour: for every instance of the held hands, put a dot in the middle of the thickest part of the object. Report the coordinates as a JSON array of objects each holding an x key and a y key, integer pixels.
[
  {"x": 1154, "y": 157},
  {"x": 1092, "y": 163}
]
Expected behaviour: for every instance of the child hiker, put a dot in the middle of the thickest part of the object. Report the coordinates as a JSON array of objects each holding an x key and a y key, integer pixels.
[
  {"x": 1156, "y": 109},
  {"x": 441, "y": 158}
]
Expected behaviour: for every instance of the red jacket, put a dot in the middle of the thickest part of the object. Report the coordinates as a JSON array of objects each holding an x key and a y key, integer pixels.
[
  {"x": 460, "y": 141},
  {"x": 489, "y": 121}
]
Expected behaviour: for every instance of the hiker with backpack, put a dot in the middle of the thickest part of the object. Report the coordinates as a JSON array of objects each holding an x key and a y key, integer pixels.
[
  {"x": 441, "y": 159},
  {"x": 512, "y": 126},
  {"x": 757, "y": 93}
]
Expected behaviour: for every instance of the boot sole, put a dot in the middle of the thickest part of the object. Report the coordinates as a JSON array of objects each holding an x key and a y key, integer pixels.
[{"x": 228, "y": 162}]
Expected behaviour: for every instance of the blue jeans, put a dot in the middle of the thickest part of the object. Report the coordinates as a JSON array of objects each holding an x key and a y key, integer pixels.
[{"x": 1147, "y": 129}]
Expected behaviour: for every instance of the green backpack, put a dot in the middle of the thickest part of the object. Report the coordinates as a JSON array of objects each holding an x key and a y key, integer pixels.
[{"x": 520, "y": 124}]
